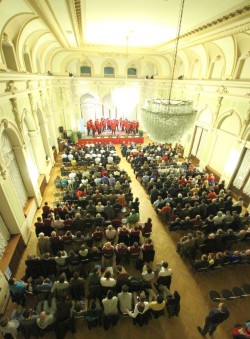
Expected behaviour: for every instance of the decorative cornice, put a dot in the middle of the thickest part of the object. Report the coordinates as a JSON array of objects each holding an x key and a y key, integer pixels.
[
  {"x": 78, "y": 15},
  {"x": 29, "y": 85},
  {"x": 208, "y": 32},
  {"x": 220, "y": 20},
  {"x": 222, "y": 90},
  {"x": 10, "y": 87},
  {"x": 75, "y": 23}
]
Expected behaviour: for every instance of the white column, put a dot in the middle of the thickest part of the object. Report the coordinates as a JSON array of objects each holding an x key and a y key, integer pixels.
[
  {"x": 45, "y": 138},
  {"x": 38, "y": 149}
]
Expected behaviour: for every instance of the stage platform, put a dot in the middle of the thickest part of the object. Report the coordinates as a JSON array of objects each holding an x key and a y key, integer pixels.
[{"x": 115, "y": 140}]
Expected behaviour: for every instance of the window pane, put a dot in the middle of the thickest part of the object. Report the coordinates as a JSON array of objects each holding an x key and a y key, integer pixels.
[
  {"x": 132, "y": 71},
  {"x": 109, "y": 71}
]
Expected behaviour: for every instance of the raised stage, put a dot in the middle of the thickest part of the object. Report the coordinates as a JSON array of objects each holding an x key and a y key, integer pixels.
[{"x": 114, "y": 140}]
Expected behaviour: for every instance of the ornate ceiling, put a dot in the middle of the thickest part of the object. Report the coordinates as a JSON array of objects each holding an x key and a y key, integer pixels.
[{"x": 141, "y": 23}]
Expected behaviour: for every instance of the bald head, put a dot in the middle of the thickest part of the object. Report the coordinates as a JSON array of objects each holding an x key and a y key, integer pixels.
[{"x": 42, "y": 316}]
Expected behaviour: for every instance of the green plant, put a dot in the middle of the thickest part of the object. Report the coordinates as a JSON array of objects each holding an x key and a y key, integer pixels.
[
  {"x": 73, "y": 137},
  {"x": 141, "y": 133},
  {"x": 79, "y": 134}
]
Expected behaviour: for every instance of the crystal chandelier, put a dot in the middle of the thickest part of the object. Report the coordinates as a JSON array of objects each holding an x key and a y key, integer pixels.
[{"x": 167, "y": 120}]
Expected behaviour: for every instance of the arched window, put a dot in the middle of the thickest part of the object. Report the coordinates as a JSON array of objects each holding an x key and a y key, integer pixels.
[
  {"x": 13, "y": 169},
  {"x": 132, "y": 72},
  {"x": 27, "y": 62},
  {"x": 9, "y": 53},
  {"x": 109, "y": 71},
  {"x": 88, "y": 107},
  {"x": 85, "y": 71},
  {"x": 216, "y": 68},
  {"x": 243, "y": 72}
]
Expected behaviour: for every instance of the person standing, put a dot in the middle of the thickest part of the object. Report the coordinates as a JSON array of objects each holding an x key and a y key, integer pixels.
[
  {"x": 9, "y": 327},
  {"x": 215, "y": 317}
]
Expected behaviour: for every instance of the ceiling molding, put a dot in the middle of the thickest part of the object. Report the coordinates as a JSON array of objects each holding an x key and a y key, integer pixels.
[
  {"x": 46, "y": 14},
  {"x": 74, "y": 22},
  {"x": 232, "y": 16},
  {"x": 212, "y": 31},
  {"x": 78, "y": 15},
  {"x": 54, "y": 17}
]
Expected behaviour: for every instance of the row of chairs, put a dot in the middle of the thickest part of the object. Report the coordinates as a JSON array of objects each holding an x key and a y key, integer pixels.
[
  {"x": 228, "y": 295},
  {"x": 219, "y": 267}
]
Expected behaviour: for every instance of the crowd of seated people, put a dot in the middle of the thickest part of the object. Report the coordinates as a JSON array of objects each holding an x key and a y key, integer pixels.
[
  {"x": 219, "y": 241},
  {"x": 215, "y": 260},
  {"x": 189, "y": 200},
  {"x": 85, "y": 262},
  {"x": 180, "y": 191},
  {"x": 87, "y": 154},
  {"x": 99, "y": 293},
  {"x": 183, "y": 196}
]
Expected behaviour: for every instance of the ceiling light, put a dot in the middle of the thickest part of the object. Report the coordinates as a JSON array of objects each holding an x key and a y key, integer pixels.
[{"x": 166, "y": 120}]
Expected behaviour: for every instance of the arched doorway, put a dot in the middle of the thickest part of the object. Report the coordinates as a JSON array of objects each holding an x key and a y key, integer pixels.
[
  {"x": 89, "y": 108},
  {"x": 108, "y": 108}
]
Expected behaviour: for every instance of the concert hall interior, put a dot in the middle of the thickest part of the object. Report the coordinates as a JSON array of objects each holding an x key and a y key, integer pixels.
[{"x": 112, "y": 101}]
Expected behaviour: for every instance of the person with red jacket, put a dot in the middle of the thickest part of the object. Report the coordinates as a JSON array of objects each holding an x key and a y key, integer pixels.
[
  {"x": 88, "y": 126},
  {"x": 103, "y": 124},
  {"x": 133, "y": 127},
  {"x": 108, "y": 124},
  {"x": 127, "y": 127},
  {"x": 120, "y": 124},
  {"x": 137, "y": 126},
  {"x": 93, "y": 130},
  {"x": 113, "y": 126},
  {"x": 99, "y": 127},
  {"x": 123, "y": 124}
]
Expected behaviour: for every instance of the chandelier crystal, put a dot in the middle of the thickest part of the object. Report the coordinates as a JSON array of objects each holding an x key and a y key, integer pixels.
[{"x": 167, "y": 120}]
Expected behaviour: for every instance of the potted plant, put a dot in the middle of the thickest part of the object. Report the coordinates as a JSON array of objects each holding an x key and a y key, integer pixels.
[
  {"x": 73, "y": 137},
  {"x": 79, "y": 134},
  {"x": 141, "y": 133}
]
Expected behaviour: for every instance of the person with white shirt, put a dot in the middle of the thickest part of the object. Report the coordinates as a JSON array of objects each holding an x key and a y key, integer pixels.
[
  {"x": 61, "y": 286},
  {"x": 165, "y": 271},
  {"x": 110, "y": 305},
  {"x": 110, "y": 159},
  {"x": 164, "y": 280},
  {"x": 97, "y": 160},
  {"x": 72, "y": 175},
  {"x": 70, "y": 156},
  {"x": 110, "y": 233},
  {"x": 64, "y": 156},
  {"x": 125, "y": 299},
  {"x": 48, "y": 315},
  {"x": 9, "y": 327},
  {"x": 148, "y": 276},
  {"x": 85, "y": 181},
  {"x": 106, "y": 279}
]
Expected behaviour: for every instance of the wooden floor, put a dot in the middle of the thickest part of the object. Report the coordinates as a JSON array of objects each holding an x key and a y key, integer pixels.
[{"x": 193, "y": 289}]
